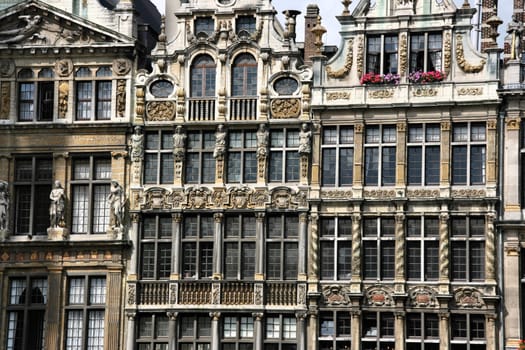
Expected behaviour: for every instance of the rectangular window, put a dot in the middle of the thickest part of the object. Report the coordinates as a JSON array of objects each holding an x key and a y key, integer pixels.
[
  {"x": 336, "y": 248},
  {"x": 200, "y": 164},
  {"x": 468, "y": 153},
  {"x": 467, "y": 248},
  {"x": 425, "y": 52},
  {"x": 155, "y": 247},
  {"x": 282, "y": 247},
  {"x": 422, "y": 253},
  {"x": 90, "y": 188},
  {"x": 280, "y": 332},
  {"x": 284, "y": 156},
  {"x": 93, "y": 94},
  {"x": 467, "y": 331},
  {"x": 382, "y": 54},
  {"x": 423, "y": 154},
  {"x": 197, "y": 246},
  {"x": 377, "y": 330},
  {"x": 152, "y": 332},
  {"x": 26, "y": 308},
  {"x": 242, "y": 160},
  {"x": 245, "y": 23},
  {"x": 204, "y": 25},
  {"x": 380, "y": 155},
  {"x": 36, "y": 100},
  {"x": 237, "y": 332},
  {"x": 338, "y": 156},
  {"x": 334, "y": 330},
  {"x": 379, "y": 248},
  {"x": 33, "y": 178},
  {"x": 422, "y": 331},
  {"x": 158, "y": 158},
  {"x": 194, "y": 332},
  {"x": 239, "y": 247},
  {"x": 85, "y": 313}
]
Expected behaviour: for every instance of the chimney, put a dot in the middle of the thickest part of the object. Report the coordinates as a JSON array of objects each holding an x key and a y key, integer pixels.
[
  {"x": 310, "y": 19},
  {"x": 488, "y": 7}
]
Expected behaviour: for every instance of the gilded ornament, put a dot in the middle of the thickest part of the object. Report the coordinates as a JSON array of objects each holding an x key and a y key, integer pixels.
[
  {"x": 403, "y": 54},
  {"x": 384, "y": 93},
  {"x": 342, "y": 72},
  {"x": 447, "y": 53},
  {"x": 63, "y": 97},
  {"x": 360, "y": 56},
  {"x": 160, "y": 110},
  {"x": 465, "y": 66},
  {"x": 513, "y": 124},
  {"x": 471, "y": 91},
  {"x": 424, "y": 92},
  {"x": 338, "y": 95},
  {"x": 285, "y": 107}
]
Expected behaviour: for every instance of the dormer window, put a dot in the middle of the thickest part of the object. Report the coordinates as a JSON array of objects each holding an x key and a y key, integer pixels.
[
  {"x": 425, "y": 52},
  {"x": 381, "y": 54},
  {"x": 245, "y": 24},
  {"x": 204, "y": 25}
]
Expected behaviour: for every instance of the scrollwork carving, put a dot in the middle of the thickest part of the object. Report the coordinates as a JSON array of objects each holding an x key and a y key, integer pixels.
[
  {"x": 160, "y": 110},
  {"x": 341, "y": 73},
  {"x": 285, "y": 107},
  {"x": 422, "y": 296},
  {"x": 471, "y": 91},
  {"x": 378, "y": 296},
  {"x": 462, "y": 62},
  {"x": 383, "y": 93},
  {"x": 468, "y": 297},
  {"x": 336, "y": 295}
]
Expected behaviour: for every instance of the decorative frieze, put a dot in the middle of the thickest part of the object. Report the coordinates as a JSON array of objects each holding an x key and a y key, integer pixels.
[
  {"x": 422, "y": 193},
  {"x": 380, "y": 94},
  {"x": 470, "y": 91},
  {"x": 285, "y": 108},
  {"x": 160, "y": 110},
  {"x": 468, "y": 193},
  {"x": 424, "y": 92},
  {"x": 336, "y": 194},
  {"x": 379, "y": 194},
  {"x": 338, "y": 95}
]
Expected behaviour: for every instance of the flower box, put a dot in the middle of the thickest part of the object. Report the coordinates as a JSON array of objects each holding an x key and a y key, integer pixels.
[
  {"x": 377, "y": 79},
  {"x": 426, "y": 77}
]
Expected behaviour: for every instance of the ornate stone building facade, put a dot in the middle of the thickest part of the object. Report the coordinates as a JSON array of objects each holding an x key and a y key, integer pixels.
[{"x": 66, "y": 87}]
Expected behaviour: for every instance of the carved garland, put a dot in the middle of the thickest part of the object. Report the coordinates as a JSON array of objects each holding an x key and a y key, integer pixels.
[
  {"x": 403, "y": 54},
  {"x": 465, "y": 66},
  {"x": 360, "y": 56},
  {"x": 341, "y": 73},
  {"x": 447, "y": 53}
]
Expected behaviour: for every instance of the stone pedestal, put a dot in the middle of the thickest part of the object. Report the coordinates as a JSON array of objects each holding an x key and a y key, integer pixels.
[{"x": 57, "y": 233}]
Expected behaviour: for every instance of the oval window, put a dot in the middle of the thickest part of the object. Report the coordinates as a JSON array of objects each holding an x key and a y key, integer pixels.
[
  {"x": 285, "y": 86},
  {"x": 161, "y": 88}
]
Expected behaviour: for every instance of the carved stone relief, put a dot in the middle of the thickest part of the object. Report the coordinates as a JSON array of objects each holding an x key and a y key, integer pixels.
[
  {"x": 383, "y": 93},
  {"x": 342, "y": 72},
  {"x": 378, "y": 296},
  {"x": 160, "y": 110},
  {"x": 7, "y": 68},
  {"x": 155, "y": 198},
  {"x": 422, "y": 296},
  {"x": 468, "y": 298},
  {"x": 472, "y": 91},
  {"x": 335, "y": 295},
  {"x": 285, "y": 107},
  {"x": 63, "y": 98},
  {"x": 64, "y": 67},
  {"x": 121, "y": 98},
  {"x": 403, "y": 53},
  {"x": 121, "y": 66},
  {"x": 466, "y": 66},
  {"x": 5, "y": 100},
  {"x": 338, "y": 95}
]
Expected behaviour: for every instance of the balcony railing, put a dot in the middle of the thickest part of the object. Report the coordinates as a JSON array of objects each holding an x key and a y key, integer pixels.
[
  {"x": 201, "y": 109},
  {"x": 243, "y": 108},
  {"x": 153, "y": 293}
]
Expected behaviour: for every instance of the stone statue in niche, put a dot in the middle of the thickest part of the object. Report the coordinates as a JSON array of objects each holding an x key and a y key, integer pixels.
[
  {"x": 515, "y": 30},
  {"x": 4, "y": 209},
  {"x": 116, "y": 201},
  {"x": 137, "y": 145},
  {"x": 305, "y": 136},
  {"x": 262, "y": 141},
  {"x": 57, "y": 205},
  {"x": 220, "y": 142},
  {"x": 179, "y": 143}
]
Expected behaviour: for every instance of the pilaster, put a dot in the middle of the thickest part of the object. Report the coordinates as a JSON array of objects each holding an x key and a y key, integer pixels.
[
  {"x": 176, "y": 220},
  {"x": 113, "y": 311},
  {"x": 358, "y": 155},
  {"x": 54, "y": 301},
  {"x": 445, "y": 154},
  {"x": 260, "y": 237},
  {"x": 401, "y": 154},
  {"x": 355, "y": 286},
  {"x": 217, "y": 257}
]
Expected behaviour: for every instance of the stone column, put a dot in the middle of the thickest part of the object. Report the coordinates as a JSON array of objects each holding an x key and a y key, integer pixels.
[
  {"x": 313, "y": 325},
  {"x": 215, "y": 330},
  {"x": 445, "y": 154},
  {"x": 53, "y": 323},
  {"x": 301, "y": 260},
  {"x": 400, "y": 253},
  {"x": 217, "y": 257},
  {"x": 444, "y": 337},
  {"x": 113, "y": 308},
  {"x": 356, "y": 329},
  {"x": 314, "y": 247},
  {"x": 492, "y": 335},
  {"x": 490, "y": 249},
  {"x": 134, "y": 237},
  {"x": 130, "y": 333},
  {"x": 175, "y": 245},
  {"x": 492, "y": 142},
  {"x": 358, "y": 155},
  {"x": 356, "y": 254},
  {"x": 260, "y": 249},
  {"x": 301, "y": 330},
  {"x": 443, "y": 254},
  {"x": 511, "y": 292},
  {"x": 258, "y": 330},
  {"x": 399, "y": 330},
  {"x": 401, "y": 154},
  {"x": 172, "y": 330}
]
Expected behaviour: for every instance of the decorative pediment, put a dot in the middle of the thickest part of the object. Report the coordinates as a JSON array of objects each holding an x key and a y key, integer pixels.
[
  {"x": 336, "y": 295},
  {"x": 422, "y": 296},
  {"x": 38, "y": 24},
  {"x": 468, "y": 298},
  {"x": 379, "y": 296}
]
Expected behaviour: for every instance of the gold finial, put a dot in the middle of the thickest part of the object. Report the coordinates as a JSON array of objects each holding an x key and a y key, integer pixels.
[{"x": 318, "y": 31}]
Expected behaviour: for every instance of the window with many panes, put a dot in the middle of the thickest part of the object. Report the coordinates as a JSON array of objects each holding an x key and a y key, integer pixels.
[
  {"x": 422, "y": 248},
  {"x": 33, "y": 178},
  {"x": 204, "y": 25},
  {"x": 245, "y": 24},
  {"x": 280, "y": 332},
  {"x": 467, "y": 332},
  {"x": 194, "y": 332},
  {"x": 152, "y": 332},
  {"x": 36, "y": 97},
  {"x": 203, "y": 72},
  {"x": 26, "y": 309},
  {"x": 93, "y": 94},
  {"x": 239, "y": 246},
  {"x": 381, "y": 54},
  {"x": 334, "y": 330},
  {"x": 85, "y": 313},
  {"x": 422, "y": 331},
  {"x": 244, "y": 76},
  {"x": 158, "y": 157},
  {"x": 237, "y": 332},
  {"x": 338, "y": 155},
  {"x": 155, "y": 247},
  {"x": 200, "y": 164},
  {"x": 423, "y": 150},
  {"x": 378, "y": 248},
  {"x": 197, "y": 246},
  {"x": 380, "y": 155},
  {"x": 377, "y": 330},
  {"x": 284, "y": 155},
  {"x": 282, "y": 235},
  {"x": 336, "y": 248},
  {"x": 89, "y": 191},
  {"x": 467, "y": 246},
  {"x": 522, "y": 164},
  {"x": 468, "y": 153},
  {"x": 425, "y": 52},
  {"x": 242, "y": 157}
]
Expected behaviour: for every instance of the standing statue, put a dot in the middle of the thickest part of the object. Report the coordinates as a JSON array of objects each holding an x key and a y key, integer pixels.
[
  {"x": 179, "y": 143},
  {"x": 304, "y": 140},
  {"x": 515, "y": 29},
  {"x": 262, "y": 141},
  {"x": 220, "y": 142},
  {"x": 4, "y": 206},
  {"x": 116, "y": 201},
  {"x": 137, "y": 145},
  {"x": 57, "y": 205}
]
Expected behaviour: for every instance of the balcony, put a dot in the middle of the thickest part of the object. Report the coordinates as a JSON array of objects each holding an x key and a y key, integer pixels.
[
  {"x": 201, "y": 109},
  {"x": 243, "y": 108}
]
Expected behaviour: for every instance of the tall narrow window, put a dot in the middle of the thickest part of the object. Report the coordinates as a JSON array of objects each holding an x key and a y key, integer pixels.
[
  {"x": 468, "y": 332},
  {"x": 468, "y": 153},
  {"x": 36, "y": 96},
  {"x": 284, "y": 156},
  {"x": 197, "y": 246},
  {"x": 422, "y": 331},
  {"x": 90, "y": 189},
  {"x": 33, "y": 178},
  {"x": 338, "y": 156},
  {"x": 336, "y": 248},
  {"x": 467, "y": 248},
  {"x": 382, "y": 54},
  {"x": 204, "y": 26},
  {"x": 203, "y": 72},
  {"x": 242, "y": 159},
  {"x": 425, "y": 52},
  {"x": 282, "y": 247},
  {"x": 423, "y": 154},
  {"x": 85, "y": 313},
  {"x": 194, "y": 332},
  {"x": 334, "y": 330},
  {"x": 237, "y": 332},
  {"x": 239, "y": 247},
  {"x": 422, "y": 248},
  {"x": 280, "y": 332},
  {"x": 200, "y": 164},
  {"x": 153, "y": 332},
  {"x": 380, "y": 155},
  {"x": 93, "y": 94},
  {"x": 244, "y": 76},
  {"x": 26, "y": 308},
  {"x": 377, "y": 330},
  {"x": 158, "y": 158},
  {"x": 379, "y": 248},
  {"x": 155, "y": 247}
]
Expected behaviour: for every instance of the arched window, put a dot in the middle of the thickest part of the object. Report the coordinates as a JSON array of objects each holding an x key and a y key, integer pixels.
[
  {"x": 244, "y": 76},
  {"x": 203, "y": 77}
]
